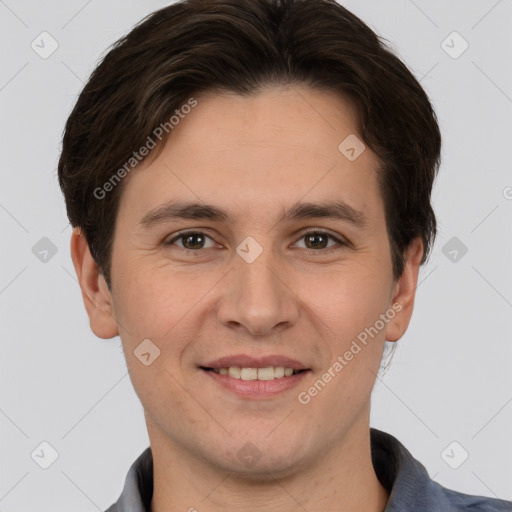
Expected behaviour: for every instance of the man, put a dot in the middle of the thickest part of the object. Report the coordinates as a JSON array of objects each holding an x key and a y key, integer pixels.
[{"x": 249, "y": 184}]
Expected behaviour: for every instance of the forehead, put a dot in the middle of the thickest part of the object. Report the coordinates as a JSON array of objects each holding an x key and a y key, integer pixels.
[
  {"x": 273, "y": 147},
  {"x": 306, "y": 120}
]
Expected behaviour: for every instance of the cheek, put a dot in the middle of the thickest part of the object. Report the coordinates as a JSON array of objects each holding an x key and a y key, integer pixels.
[
  {"x": 350, "y": 300},
  {"x": 153, "y": 305},
  {"x": 150, "y": 302},
  {"x": 348, "y": 306}
]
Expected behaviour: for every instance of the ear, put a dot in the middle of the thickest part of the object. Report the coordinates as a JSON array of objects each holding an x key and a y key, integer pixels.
[
  {"x": 95, "y": 293},
  {"x": 404, "y": 291}
]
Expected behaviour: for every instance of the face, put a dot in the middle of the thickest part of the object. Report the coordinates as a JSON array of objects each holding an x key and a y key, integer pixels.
[{"x": 283, "y": 262}]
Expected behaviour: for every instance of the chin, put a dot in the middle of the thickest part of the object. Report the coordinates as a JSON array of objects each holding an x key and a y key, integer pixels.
[{"x": 263, "y": 460}]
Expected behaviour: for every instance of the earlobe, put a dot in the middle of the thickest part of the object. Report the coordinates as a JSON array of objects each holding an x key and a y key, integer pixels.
[
  {"x": 95, "y": 293},
  {"x": 404, "y": 291}
]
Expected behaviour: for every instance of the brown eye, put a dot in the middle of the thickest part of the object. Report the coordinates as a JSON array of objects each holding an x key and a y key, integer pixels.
[
  {"x": 318, "y": 241},
  {"x": 190, "y": 240}
]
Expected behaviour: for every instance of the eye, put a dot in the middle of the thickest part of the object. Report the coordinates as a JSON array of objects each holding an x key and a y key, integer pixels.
[
  {"x": 315, "y": 241},
  {"x": 318, "y": 241},
  {"x": 191, "y": 240}
]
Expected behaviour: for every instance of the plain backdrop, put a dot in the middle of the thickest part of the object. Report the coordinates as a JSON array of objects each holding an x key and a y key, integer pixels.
[{"x": 448, "y": 392}]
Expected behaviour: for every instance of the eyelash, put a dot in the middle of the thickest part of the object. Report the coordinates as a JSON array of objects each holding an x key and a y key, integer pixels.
[{"x": 328, "y": 250}]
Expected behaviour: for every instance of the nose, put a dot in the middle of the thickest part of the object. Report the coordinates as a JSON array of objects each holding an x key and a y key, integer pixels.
[{"x": 257, "y": 297}]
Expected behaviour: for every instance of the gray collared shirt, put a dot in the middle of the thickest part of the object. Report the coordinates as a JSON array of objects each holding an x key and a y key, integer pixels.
[{"x": 406, "y": 479}]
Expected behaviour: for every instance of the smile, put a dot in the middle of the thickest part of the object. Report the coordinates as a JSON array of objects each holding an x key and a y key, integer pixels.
[
  {"x": 256, "y": 383},
  {"x": 267, "y": 373}
]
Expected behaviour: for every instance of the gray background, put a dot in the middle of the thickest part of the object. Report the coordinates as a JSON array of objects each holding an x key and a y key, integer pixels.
[{"x": 450, "y": 379}]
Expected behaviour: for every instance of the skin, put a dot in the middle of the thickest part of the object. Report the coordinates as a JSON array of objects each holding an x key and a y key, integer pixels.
[{"x": 254, "y": 157}]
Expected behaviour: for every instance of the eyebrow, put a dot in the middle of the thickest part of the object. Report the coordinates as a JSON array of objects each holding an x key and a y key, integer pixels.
[{"x": 336, "y": 210}]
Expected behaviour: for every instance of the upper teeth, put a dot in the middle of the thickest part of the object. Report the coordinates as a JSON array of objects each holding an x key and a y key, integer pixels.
[{"x": 269, "y": 373}]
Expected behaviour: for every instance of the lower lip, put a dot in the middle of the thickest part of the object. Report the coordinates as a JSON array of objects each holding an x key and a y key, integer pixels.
[{"x": 257, "y": 388}]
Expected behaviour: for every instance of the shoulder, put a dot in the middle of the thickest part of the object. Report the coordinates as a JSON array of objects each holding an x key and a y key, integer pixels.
[
  {"x": 433, "y": 497},
  {"x": 411, "y": 487},
  {"x": 460, "y": 501}
]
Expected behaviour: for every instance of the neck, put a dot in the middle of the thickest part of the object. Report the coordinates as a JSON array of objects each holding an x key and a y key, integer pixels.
[{"x": 341, "y": 478}]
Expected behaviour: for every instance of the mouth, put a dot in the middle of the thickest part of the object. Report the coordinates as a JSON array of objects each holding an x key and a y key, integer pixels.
[
  {"x": 255, "y": 377},
  {"x": 255, "y": 383},
  {"x": 250, "y": 373}
]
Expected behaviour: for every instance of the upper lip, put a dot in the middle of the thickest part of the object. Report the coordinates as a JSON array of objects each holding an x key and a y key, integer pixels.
[{"x": 246, "y": 361}]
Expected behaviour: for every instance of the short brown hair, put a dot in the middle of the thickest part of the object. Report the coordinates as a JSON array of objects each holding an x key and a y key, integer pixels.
[{"x": 194, "y": 46}]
